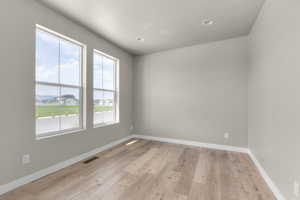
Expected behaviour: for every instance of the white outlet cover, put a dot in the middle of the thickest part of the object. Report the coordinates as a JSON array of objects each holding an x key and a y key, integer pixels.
[
  {"x": 296, "y": 189},
  {"x": 226, "y": 135},
  {"x": 26, "y": 159}
]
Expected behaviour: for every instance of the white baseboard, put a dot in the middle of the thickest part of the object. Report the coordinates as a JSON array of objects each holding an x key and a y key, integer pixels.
[
  {"x": 267, "y": 178},
  {"x": 263, "y": 173},
  {"x": 193, "y": 143},
  {"x": 27, "y": 179}
]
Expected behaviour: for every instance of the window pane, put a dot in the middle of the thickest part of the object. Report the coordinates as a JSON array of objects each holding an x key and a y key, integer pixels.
[
  {"x": 108, "y": 107},
  {"x": 108, "y": 73},
  {"x": 70, "y": 55},
  {"x": 98, "y": 71},
  {"x": 98, "y": 107},
  {"x": 47, "y": 57},
  {"x": 70, "y": 108},
  {"x": 46, "y": 103},
  {"x": 103, "y": 107}
]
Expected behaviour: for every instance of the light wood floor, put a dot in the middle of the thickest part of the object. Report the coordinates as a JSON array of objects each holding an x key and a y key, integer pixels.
[{"x": 147, "y": 170}]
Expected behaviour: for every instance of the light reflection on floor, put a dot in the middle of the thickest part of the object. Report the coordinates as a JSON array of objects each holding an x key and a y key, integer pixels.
[{"x": 131, "y": 142}]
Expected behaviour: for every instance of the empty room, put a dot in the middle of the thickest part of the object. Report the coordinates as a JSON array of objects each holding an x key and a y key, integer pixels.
[{"x": 150, "y": 100}]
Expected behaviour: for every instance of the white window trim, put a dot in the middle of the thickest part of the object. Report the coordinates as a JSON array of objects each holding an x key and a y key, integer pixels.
[
  {"x": 82, "y": 87},
  {"x": 116, "y": 91}
]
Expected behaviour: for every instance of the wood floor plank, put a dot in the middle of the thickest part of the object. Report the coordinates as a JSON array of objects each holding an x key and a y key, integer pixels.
[
  {"x": 141, "y": 161},
  {"x": 186, "y": 166},
  {"x": 206, "y": 183},
  {"x": 147, "y": 170},
  {"x": 165, "y": 183},
  {"x": 229, "y": 182},
  {"x": 203, "y": 166}
]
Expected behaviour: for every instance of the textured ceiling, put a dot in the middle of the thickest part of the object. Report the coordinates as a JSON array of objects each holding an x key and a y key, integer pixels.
[{"x": 164, "y": 24}]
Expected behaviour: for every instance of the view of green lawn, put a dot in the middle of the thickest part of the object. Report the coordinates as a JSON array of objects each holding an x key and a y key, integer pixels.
[{"x": 47, "y": 111}]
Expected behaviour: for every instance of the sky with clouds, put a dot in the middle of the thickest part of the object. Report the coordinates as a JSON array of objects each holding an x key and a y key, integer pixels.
[{"x": 58, "y": 61}]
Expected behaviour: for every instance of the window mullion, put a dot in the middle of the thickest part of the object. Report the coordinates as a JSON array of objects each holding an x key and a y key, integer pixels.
[
  {"x": 59, "y": 78},
  {"x": 114, "y": 105},
  {"x": 102, "y": 72},
  {"x": 104, "y": 90},
  {"x": 59, "y": 61},
  {"x": 58, "y": 85},
  {"x": 114, "y": 76},
  {"x": 60, "y": 105}
]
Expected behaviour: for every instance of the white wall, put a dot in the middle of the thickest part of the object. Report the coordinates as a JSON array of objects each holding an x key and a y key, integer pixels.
[
  {"x": 194, "y": 93},
  {"x": 17, "y": 52},
  {"x": 274, "y": 97}
]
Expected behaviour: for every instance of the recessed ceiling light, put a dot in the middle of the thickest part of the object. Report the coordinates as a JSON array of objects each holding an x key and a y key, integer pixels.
[
  {"x": 140, "y": 39},
  {"x": 207, "y": 22}
]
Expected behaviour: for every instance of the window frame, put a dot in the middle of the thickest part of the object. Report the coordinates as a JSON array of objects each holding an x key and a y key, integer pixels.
[
  {"x": 115, "y": 90},
  {"x": 81, "y": 87}
]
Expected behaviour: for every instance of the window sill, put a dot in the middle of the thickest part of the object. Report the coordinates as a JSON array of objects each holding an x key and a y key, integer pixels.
[
  {"x": 56, "y": 134},
  {"x": 105, "y": 124}
]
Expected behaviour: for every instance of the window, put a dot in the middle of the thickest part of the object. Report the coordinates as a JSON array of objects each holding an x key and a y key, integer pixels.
[
  {"x": 105, "y": 89},
  {"x": 59, "y": 89}
]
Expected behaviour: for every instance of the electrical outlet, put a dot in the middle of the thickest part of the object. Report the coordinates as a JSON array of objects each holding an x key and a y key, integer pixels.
[
  {"x": 226, "y": 135},
  {"x": 131, "y": 128},
  {"x": 26, "y": 159},
  {"x": 296, "y": 189}
]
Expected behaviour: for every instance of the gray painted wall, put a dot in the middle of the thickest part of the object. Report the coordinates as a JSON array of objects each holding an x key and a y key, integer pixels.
[
  {"x": 274, "y": 98},
  {"x": 17, "y": 137},
  {"x": 194, "y": 93}
]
